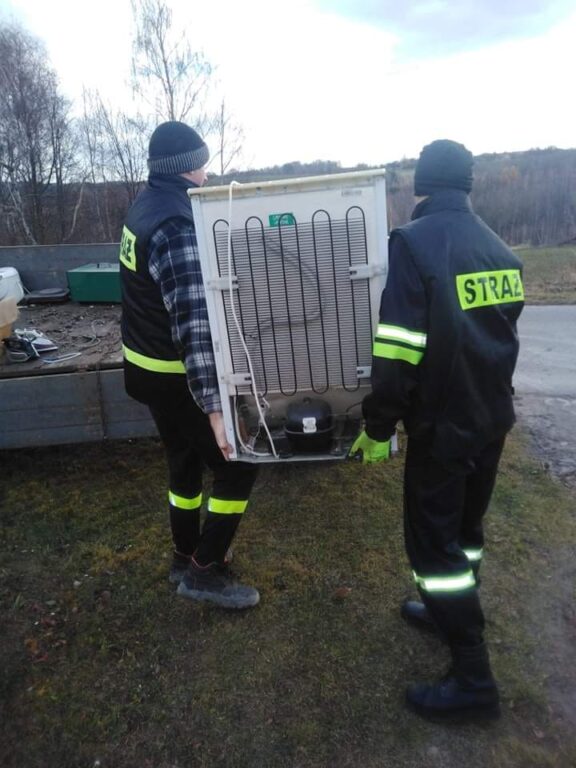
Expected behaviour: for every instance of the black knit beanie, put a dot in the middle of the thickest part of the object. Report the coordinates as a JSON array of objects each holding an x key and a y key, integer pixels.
[
  {"x": 442, "y": 164},
  {"x": 176, "y": 148}
]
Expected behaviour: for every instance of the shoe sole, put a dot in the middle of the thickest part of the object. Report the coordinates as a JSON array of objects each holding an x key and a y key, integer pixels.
[{"x": 220, "y": 600}]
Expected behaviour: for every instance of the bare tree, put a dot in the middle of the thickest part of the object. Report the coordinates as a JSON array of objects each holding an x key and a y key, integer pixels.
[
  {"x": 34, "y": 128},
  {"x": 114, "y": 156},
  {"x": 64, "y": 142},
  {"x": 125, "y": 150},
  {"x": 167, "y": 74},
  {"x": 93, "y": 152},
  {"x": 230, "y": 138}
]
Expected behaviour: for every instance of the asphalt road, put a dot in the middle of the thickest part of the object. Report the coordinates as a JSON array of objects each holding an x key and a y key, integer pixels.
[{"x": 545, "y": 383}]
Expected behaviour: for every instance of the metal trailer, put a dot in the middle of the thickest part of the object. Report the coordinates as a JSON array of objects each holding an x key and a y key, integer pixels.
[{"x": 80, "y": 398}]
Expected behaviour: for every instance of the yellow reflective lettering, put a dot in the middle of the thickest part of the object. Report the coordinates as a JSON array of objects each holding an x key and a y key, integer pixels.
[
  {"x": 128, "y": 249},
  {"x": 482, "y": 289}
]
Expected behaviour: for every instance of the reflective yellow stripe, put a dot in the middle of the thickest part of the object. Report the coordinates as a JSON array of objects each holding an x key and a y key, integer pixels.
[
  {"x": 128, "y": 249},
  {"x": 415, "y": 338},
  {"x": 152, "y": 364},
  {"x": 446, "y": 583},
  {"x": 482, "y": 289},
  {"x": 473, "y": 554},
  {"x": 393, "y": 352},
  {"x": 183, "y": 503},
  {"x": 227, "y": 506}
]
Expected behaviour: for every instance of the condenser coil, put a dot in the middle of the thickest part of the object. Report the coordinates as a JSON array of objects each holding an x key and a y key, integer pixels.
[{"x": 293, "y": 270}]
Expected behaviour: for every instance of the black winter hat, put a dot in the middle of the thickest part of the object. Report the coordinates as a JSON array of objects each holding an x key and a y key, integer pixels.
[
  {"x": 442, "y": 164},
  {"x": 176, "y": 148}
]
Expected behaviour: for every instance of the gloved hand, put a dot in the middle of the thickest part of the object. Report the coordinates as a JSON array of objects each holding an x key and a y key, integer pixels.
[{"x": 372, "y": 450}]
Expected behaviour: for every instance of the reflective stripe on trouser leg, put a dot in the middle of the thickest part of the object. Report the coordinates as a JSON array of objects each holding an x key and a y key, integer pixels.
[
  {"x": 185, "y": 502},
  {"x": 233, "y": 482},
  {"x": 185, "y": 521},
  {"x": 452, "y": 583},
  {"x": 473, "y": 555},
  {"x": 221, "y": 522},
  {"x": 454, "y": 604},
  {"x": 227, "y": 506}
]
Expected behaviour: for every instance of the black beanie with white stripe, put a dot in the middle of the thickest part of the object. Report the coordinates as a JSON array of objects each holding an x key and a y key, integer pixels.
[{"x": 176, "y": 148}]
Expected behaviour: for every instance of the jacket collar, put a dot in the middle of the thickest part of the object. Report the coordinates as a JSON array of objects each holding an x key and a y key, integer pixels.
[
  {"x": 173, "y": 182},
  {"x": 443, "y": 200}
]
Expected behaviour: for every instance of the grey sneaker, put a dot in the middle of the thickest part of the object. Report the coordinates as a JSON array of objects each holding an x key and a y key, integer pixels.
[
  {"x": 214, "y": 584},
  {"x": 181, "y": 562}
]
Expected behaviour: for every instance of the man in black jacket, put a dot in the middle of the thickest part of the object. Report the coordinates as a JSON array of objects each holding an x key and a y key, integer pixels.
[
  {"x": 169, "y": 365},
  {"x": 444, "y": 354}
]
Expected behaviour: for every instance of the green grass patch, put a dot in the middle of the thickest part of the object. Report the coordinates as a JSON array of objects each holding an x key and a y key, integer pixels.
[
  {"x": 549, "y": 274},
  {"x": 102, "y": 664}
]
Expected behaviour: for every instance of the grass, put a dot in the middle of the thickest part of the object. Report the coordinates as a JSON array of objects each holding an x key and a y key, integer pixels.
[
  {"x": 549, "y": 274},
  {"x": 100, "y": 664},
  {"x": 103, "y": 666}
]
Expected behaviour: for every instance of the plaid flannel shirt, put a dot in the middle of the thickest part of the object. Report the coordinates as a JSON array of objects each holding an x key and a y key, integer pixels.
[{"x": 174, "y": 265}]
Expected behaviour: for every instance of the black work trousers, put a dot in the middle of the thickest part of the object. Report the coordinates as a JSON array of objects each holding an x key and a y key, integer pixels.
[
  {"x": 444, "y": 507},
  {"x": 191, "y": 447}
]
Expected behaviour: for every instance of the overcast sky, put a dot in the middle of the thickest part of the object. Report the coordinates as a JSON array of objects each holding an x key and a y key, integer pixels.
[{"x": 357, "y": 81}]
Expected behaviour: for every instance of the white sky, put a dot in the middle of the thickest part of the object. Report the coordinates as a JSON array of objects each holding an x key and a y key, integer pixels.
[{"x": 356, "y": 82}]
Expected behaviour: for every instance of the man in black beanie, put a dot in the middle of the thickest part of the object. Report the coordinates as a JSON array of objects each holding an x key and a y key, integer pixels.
[
  {"x": 443, "y": 359},
  {"x": 169, "y": 365}
]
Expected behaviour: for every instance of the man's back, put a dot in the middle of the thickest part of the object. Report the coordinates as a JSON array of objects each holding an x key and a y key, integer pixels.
[{"x": 466, "y": 295}]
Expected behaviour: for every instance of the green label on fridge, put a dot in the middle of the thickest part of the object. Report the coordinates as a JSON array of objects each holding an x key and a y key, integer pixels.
[{"x": 281, "y": 219}]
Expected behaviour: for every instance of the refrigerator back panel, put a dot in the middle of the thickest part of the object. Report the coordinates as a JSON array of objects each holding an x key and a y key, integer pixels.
[{"x": 293, "y": 291}]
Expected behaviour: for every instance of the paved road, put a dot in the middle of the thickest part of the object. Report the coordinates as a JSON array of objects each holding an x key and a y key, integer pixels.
[{"x": 545, "y": 383}]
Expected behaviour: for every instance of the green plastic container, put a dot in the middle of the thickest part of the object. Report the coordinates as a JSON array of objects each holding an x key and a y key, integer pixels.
[{"x": 95, "y": 283}]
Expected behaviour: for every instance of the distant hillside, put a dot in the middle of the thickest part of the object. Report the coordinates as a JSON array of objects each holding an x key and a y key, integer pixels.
[{"x": 529, "y": 198}]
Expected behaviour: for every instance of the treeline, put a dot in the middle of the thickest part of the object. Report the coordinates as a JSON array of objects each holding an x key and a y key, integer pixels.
[
  {"x": 529, "y": 198},
  {"x": 69, "y": 175}
]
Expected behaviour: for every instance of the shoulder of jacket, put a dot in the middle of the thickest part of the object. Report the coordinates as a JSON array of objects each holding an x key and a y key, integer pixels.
[{"x": 407, "y": 231}]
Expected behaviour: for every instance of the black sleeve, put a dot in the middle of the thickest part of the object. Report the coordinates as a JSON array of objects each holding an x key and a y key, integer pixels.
[{"x": 399, "y": 343}]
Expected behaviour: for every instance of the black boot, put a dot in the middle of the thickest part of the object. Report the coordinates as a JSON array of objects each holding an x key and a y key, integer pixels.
[
  {"x": 416, "y": 613},
  {"x": 467, "y": 692}
]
